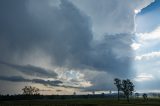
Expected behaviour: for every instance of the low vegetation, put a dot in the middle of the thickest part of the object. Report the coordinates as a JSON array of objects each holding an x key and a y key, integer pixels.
[{"x": 82, "y": 102}]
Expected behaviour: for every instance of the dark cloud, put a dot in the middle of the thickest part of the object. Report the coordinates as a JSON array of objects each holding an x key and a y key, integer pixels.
[
  {"x": 101, "y": 82},
  {"x": 21, "y": 79},
  {"x": 32, "y": 70},
  {"x": 64, "y": 33},
  {"x": 14, "y": 79},
  {"x": 48, "y": 82},
  {"x": 113, "y": 55}
]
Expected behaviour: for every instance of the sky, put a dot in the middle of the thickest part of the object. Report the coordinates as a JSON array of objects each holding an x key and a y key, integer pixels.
[{"x": 66, "y": 46}]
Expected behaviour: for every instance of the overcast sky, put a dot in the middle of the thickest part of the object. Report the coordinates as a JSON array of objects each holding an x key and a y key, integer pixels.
[{"x": 63, "y": 46}]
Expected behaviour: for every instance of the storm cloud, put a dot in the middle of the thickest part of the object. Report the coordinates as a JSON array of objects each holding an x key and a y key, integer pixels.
[{"x": 63, "y": 31}]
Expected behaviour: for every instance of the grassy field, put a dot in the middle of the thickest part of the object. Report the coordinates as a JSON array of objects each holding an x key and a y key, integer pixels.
[{"x": 82, "y": 102}]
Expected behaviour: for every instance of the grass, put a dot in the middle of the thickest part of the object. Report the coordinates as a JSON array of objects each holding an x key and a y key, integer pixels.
[{"x": 82, "y": 102}]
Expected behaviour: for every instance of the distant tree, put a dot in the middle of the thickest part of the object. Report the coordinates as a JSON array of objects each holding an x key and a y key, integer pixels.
[
  {"x": 74, "y": 93},
  {"x": 136, "y": 95},
  {"x": 145, "y": 97},
  {"x": 118, "y": 85},
  {"x": 93, "y": 92},
  {"x": 127, "y": 87},
  {"x": 29, "y": 90},
  {"x": 103, "y": 94}
]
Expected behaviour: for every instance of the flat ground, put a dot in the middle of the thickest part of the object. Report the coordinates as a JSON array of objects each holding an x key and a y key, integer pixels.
[{"x": 83, "y": 102}]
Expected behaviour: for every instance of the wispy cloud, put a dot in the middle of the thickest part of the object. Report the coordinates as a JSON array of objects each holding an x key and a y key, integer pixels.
[
  {"x": 144, "y": 77},
  {"x": 148, "y": 56},
  {"x": 145, "y": 37}
]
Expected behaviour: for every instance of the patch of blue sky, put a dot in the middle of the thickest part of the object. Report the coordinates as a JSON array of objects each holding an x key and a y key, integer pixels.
[
  {"x": 147, "y": 21},
  {"x": 155, "y": 5},
  {"x": 147, "y": 49},
  {"x": 149, "y": 18}
]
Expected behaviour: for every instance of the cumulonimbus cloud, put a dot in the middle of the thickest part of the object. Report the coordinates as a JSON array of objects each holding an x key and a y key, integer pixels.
[{"x": 65, "y": 33}]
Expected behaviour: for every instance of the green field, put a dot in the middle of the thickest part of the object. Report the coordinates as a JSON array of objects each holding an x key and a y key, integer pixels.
[{"x": 82, "y": 102}]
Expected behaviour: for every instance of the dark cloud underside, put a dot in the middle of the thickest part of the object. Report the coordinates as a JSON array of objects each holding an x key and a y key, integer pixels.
[
  {"x": 63, "y": 32},
  {"x": 32, "y": 70},
  {"x": 40, "y": 81}
]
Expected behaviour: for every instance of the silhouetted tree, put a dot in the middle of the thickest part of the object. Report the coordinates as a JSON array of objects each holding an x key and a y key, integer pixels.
[
  {"x": 29, "y": 90},
  {"x": 127, "y": 87},
  {"x": 118, "y": 85},
  {"x": 93, "y": 92},
  {"x": 136, "y": 95},
  {"x": 74, "y": 93},
  {"x": 145, "y": 97}
]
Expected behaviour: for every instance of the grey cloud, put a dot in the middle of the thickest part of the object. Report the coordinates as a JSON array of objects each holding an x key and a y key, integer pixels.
[
  {"x": 111, "y": 16},
  {"x": 64, "y": 33},
  {"x": 148, "y": 85},
  {"x": 107, "y": 19},
  {"x": 48, "y": 82},
  {"x": 32, "y": 70},
  {"x": 14, "y": 79},
  {"x": 113, "y": 55},
  {"x": 40, "y": 81},
  {"x": 101, "y": 81}
]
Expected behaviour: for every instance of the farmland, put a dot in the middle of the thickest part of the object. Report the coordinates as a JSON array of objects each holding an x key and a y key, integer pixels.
[{"x": 83, "y": 102}]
